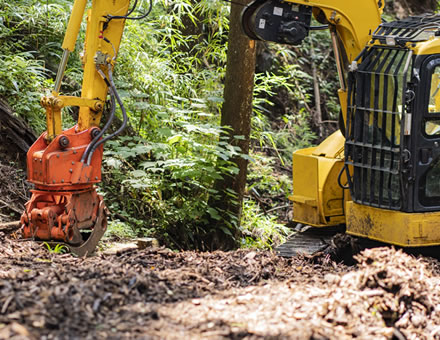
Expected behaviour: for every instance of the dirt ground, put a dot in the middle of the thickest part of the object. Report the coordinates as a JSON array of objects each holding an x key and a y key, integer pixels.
[{"x": 155, "y": 293}]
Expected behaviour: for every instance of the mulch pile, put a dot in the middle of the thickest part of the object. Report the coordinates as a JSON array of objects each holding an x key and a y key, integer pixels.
[
  {"x": 13, "y": 194},
  {"x": 157, "y": 293}
]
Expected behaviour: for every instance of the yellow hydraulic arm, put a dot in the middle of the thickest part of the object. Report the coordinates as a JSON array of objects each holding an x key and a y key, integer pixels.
[
  {"x": 64, "y": 165},
  {"x": 352, "y": 23},
  {"x": 96, "y": 50}
]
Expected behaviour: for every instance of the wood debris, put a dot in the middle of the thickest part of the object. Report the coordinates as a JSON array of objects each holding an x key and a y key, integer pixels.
[{"x": 246, "y": 294}]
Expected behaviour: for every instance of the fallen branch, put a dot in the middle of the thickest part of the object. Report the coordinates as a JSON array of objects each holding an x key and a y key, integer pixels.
[
  {"x": 278, "y": 208},
  {"x": 256, "y": 195},
  {"x": 10, "y": 226},
  {"x": 11, "y": 206}
]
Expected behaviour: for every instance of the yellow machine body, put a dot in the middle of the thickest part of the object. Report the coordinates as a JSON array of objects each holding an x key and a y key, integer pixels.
[
  {"x": 397, "y": 227},
  {"x": 394, "y": 227},
  {"x": 318, "y": 199}
]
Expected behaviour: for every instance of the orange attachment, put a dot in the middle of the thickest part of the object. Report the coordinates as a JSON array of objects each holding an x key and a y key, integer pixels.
[
  {"x": 52, "y": 166},
  {"x": 64, "y": 200},
  {"x": 60, "y": 216}
]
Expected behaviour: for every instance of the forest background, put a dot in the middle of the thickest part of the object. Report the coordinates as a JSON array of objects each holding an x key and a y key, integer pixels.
[{"x": 158, "y": 176}]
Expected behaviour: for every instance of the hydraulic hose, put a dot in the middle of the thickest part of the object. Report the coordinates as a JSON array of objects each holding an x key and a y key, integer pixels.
[
  {"x": 114, "y": 94},
  {"x": 88, "y": 153},
  {"x": 104, "y": 129},
  {"x": 127, "y": 16}
]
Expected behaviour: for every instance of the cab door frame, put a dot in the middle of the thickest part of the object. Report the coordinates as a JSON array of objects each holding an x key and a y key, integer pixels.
[{"x": 425, "y": 146}]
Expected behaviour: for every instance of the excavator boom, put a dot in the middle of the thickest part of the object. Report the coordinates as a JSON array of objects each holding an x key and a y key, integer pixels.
[{"x": 65, "y": 165}]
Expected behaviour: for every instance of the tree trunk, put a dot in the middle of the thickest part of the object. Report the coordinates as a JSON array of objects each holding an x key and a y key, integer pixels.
[{"x": 236, "y": 114}]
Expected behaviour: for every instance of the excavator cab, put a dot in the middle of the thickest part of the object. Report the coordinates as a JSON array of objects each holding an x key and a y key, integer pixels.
[
  {"x": 392, "y": 148},
  {"x": 427, "y": 183},
  {"x": 375, "y": 138}
]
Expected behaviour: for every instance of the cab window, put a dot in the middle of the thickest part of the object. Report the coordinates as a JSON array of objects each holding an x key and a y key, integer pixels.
[
  {"x": 434, "y": 96},
  {"x": 432, "y": 125}
]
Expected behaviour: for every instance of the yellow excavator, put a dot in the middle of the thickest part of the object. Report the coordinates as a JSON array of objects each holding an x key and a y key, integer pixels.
[{"x": 379, "y": 175}]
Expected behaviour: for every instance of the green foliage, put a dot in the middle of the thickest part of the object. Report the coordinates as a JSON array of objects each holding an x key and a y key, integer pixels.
[
  {"x": 269, "y": 189},
  {"x": 264, "y": 178},
  {"x": 261, "y": 230},
  {"x": 30, "y": 38},
  {"x": 297, "y": 63},
  {"x": 57, "y": 249},
  {"x": 166, "y": 185},
  {"x": 173, "y": 92},
  {"x": 284, "y": 96},
  {"x": 285, "y": 132},
  {"x": 22, "y": 80},
  {"x": 119, "y": 230}
]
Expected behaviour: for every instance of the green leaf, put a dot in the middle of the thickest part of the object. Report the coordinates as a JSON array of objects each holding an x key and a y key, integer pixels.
[
  {"x": 248, "y": 158},
  {"x": 226, "y": 231},
  {"x": 113, "y": 162},
  {"x": 138, "y": 173},
  {"x": 166, "y": 132},
  {"x": 214, "y": 214},
  {"x": 215, "y": 99},
  {"x": 146, "y": 165},
  {"x": 174, "y": 139}
]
